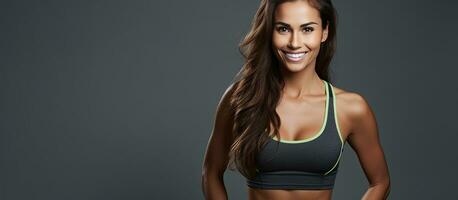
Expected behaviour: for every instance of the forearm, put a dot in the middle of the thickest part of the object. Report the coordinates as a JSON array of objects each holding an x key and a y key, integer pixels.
[
  {"x": 378, "y": 191},
  {"x": 213, "y": 187}
]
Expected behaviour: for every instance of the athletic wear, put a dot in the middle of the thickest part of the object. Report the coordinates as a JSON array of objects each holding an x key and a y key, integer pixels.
[{"x": 306, "y": 164}]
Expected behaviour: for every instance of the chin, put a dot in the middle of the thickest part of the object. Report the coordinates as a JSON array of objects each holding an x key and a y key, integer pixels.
[{"x": 294, "y": 67}]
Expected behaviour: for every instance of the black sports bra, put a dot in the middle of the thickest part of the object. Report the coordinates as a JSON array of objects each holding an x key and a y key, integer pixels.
[{"x": 306, "y": 164}]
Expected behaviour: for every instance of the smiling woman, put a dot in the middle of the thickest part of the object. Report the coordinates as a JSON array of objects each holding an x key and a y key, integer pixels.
[
  {"x": 297, "y": 44},
  {"x": 282, "y": 124}
]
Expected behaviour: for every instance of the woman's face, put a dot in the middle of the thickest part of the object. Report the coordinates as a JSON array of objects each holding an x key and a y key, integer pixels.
[{"x": 297, "y": 35}]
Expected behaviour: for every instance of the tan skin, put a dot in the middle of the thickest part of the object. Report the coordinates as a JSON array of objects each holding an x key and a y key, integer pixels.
[{"x": 301, "y": 110}]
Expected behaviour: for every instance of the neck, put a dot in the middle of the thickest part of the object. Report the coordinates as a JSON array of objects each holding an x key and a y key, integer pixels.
[{"x": 301, "y": 84}]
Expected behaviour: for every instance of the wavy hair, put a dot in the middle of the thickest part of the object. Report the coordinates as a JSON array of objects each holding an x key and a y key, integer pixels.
[{"x": 258, "y": 85}]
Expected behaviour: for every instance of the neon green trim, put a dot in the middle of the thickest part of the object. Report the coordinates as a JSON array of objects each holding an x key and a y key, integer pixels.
[
  {"x": 338, "y": 159},
  {"x": 335, "y": 114},
  {"x": 322, "y": 126},
  {"x": 338, "y": 129}
]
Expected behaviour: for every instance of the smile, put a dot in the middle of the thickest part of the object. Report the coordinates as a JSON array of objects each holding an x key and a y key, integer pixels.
[{"x": 295, "y": 56}]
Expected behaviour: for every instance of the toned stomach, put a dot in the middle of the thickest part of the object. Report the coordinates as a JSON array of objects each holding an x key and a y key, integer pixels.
[{"x": 264, "y": 194}]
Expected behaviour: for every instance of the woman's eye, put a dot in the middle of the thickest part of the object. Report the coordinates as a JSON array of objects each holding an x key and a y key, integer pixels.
[
  {"x": 281, "y": 29},
  {"x": 308, "y": 29}
]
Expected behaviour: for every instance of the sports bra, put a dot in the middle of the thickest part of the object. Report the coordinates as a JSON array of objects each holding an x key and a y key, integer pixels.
[{"x": 308, "y": 164}]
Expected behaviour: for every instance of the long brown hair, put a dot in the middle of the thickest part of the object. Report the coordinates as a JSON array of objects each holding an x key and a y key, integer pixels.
[{"x": 258, "y": 85}]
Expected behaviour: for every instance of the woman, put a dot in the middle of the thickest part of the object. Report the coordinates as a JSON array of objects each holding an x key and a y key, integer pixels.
[{"x": 282, "y": 124}]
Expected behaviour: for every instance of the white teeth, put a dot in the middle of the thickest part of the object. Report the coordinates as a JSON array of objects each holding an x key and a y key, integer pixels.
[{"x": 294, "y": 55}]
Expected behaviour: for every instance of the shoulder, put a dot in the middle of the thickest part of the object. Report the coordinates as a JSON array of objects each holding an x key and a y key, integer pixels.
[
  {"x": 226, "y": 97},
  {"x": 354, "y": 105},
  {"x": 225, "y": 109}
]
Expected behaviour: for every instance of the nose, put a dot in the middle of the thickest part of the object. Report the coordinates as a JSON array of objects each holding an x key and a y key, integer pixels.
[{"x": 295, "y": 41}]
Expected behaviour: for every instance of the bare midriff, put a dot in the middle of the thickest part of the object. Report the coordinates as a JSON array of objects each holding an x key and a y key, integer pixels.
[{"x": 264, "y": 194}]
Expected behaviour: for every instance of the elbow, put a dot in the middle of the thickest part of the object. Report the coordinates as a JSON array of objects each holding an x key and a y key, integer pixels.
[
  {"x": 209, "y": 178},
  {"x": 383, "y": 186},
  {"x": 380, "y": 182},
  {"x": 213, "y": 186},
  {"x": 205, "y": 184},
  {"x": 204, "y": 180},
  {"x": 205, "y": 177},
  {"x": 386, "y": 186},
  {"x": 208, "y": 172},
  {"x": 385, "y": 183}
]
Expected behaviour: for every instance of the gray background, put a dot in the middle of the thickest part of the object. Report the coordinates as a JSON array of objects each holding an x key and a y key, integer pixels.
[{"x": 116, "y": 99}]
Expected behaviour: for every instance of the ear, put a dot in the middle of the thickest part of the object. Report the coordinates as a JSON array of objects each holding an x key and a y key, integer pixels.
[{"x": 324, "y": 36}]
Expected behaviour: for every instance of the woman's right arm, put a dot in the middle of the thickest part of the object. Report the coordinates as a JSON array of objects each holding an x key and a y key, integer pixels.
[{"x": 216, "y": 154}]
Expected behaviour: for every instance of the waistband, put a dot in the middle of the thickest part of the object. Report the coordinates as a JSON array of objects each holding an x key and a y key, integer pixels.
[{"x": 292, "y": 180}]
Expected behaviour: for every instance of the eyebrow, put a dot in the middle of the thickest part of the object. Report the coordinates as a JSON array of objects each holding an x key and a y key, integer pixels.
[{"x": 302, "y": 25}]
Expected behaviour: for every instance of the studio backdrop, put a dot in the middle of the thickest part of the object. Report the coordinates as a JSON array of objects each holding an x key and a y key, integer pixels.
[{"x": 116, "y": 99}]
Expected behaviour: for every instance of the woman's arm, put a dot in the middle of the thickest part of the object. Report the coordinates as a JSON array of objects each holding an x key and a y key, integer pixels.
[
  {"x": 216, "y": 155},
  {"x": 364, "y": 139}
]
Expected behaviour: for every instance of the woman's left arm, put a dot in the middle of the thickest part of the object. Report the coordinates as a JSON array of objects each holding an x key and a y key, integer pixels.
[{"x": 365, "y": 141}]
